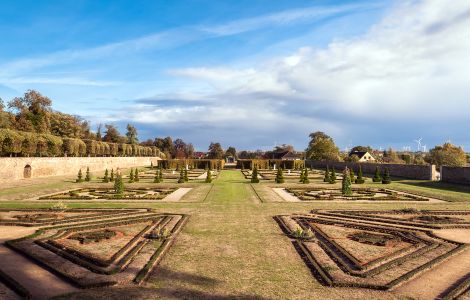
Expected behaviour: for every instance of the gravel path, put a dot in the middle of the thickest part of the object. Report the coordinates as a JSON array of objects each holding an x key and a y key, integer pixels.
[{"x": 176, "y": 195}]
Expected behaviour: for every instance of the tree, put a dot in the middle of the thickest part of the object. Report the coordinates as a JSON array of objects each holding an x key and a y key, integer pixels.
[
  {"x": 346, "y": 189},
  {"x": 359, "y": 179},
  {"x": 131, "y": 176},
  {"x": 111, "y": 178},
  {"x": 301, "y": 175},
  {"x": 209, "y": 176},
  {"x": 231, "y": 151},
  {"x": 98, "y": 132},
  {"x": 447, "y": 155},
  {"x": 32, "y": 112},
  {"x": 386, "y": 178},
  {"x": 322, "y": 147},
  {"x": 79, "y": 176},
  {"x": 327, "y": 175},
  {"x": 279, "y": 176},
  {"x": 216, "y": 151},
  {"x": 181, "y": 179},
  {"x": 156, "y": 179},
  {"x": 254, "y": 175},
  {"x": 377, "y": 177},
  {"x": 131, "y": 134},
  {"x": 136, "y": 175},
  {"x": 88, "y": 175},
  {"x": 333, "y": 176},
  {"x": 351, "y": 174},
  {"x": 161, "y": 175},
  {"x": 106, "y": 176},
  {"x": 119, "y": 185},
  {"x": 361, "y": 149},
  {"x": 112, "y": 134},
  {"x": 186, "y": 179},
  {"x": 305, "y": 179}
]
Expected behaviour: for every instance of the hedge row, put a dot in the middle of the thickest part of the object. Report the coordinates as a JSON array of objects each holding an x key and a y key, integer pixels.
[{"x": 21, "y": 143}]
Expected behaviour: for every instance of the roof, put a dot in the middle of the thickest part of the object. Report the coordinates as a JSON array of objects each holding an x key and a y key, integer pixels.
[{"x": 360, "y": 154}]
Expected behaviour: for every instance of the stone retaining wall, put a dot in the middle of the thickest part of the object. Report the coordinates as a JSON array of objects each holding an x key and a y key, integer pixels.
[
  {"x": 15, "y": 168},
  {"x": 421, "y": 172},
  {"x": 455, "y": 174}
]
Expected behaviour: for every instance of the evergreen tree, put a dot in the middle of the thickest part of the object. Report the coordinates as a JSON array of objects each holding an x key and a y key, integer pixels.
[
  {"x": 161, "y": 175},
  {"x": 88, "y": 175},
  {"x": 327, "y": 175},
  {"x": 209, "y": 176},
  {"x": 136, "y": 175},
  {"x": 131, "y": 176},
  {"x": 181, "y": 179},
  {"x": 386, "y": 178},
  {"x": 306, "y": 180},
  {"x": 279, "y": 176},
  {"x": 186, "y": 179},
  {"x": 151, "y": 165},
  {"x": 333, "y": 176},
  {"x": 301, "y": 176},
  {"x": 79, "y": 176},
  {"x": 377, "y": 177},
  {"x": 106, "y": 176},
  {"x": 359, "y": 179},
  {"x": 254, "y": 176},
  {"x": 352, "y": 175},
  {"x": 156, "y": 179},
  {"x": 346, "y": 183},
  {"x": 111, "y": 178},
  {"x": 118, "y": 185}
]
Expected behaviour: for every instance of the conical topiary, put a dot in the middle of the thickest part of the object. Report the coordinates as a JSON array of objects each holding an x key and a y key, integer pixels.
[
  {"x": 386, "y": 178},
  {"x": 111, "y": 178},
  {"x": 254, "y": 176},
  {"x": 79, "y": 176},
  {"x": 209, "y": 176},
  {"x": 301, "y": 176},
  {"x": 279, "y": 176},
  {"x": 333, "y": 176},
  {"x": 161, "y": 175},
  {"x": 346, "y": 189},
  {"x": 131, "y": 176},
  {"x": 106, "y": 176},
  {"x": 156, "y": 179},
  {"x": 136, "y": 175},
  {"x": 352, "y": 175},
  {"x": 181, "y": 179},
  {"x": 377, "y": 177},
  {"x": 119, "y": 185},
  {"x": 359, "y": 179},
  {"x": 327, "y": 175},
  {"x": 88, "y": 175},
  {"x": 186, "y": 179},
  {"x": 306, "y": 180}
]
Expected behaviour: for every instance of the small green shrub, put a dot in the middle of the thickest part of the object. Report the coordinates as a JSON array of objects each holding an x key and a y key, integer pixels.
[{"x": 301, "y": 234}]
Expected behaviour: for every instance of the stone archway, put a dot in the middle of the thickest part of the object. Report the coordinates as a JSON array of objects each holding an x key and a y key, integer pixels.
[{"x": 27, "y": 171}]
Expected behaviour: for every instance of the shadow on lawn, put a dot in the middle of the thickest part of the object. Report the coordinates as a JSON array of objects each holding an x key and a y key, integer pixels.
[{"x": 437, "y": 185}]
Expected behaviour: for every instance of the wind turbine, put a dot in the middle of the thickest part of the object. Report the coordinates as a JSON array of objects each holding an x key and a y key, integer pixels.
[
  {"x": 424, "y": 148},
  {"x": 418, "y": 141}
]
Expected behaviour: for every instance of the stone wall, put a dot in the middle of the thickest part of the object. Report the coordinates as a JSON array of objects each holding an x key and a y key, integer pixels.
[
  {"x": 455, "y": 174},
  {"x": 422, "y": 172},
  {"x": 15, "y": 168}
]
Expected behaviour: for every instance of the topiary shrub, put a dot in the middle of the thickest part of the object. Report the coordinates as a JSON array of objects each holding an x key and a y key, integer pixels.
[
  {"x": 333, "y": 176},
  {"x": 386, "y": 178},
  {"x": 88, "y": 175},
  {"x": 181, "y": 179},
  {"x": 79, "y": 176},
  {"x": 106, "y": 176},
  {"x": 136, "y": 175},
  {"x": 377, "y": 177},
  {"x": 306, "y": 180},
  {"x": 352, "y": 175},
  {"x": 131, "y": 176},
  {"x": 302, "y": 234},
  {"x": 346, "y": 183},
  {"x": 279, "y": 176},
  {"x": 359, "y": 179},
  {"x": 254, "y": 175},
  {"x": 111, "y": 178},
  {"x": 119, "y": 185},
  {"x": 209, "y": 176},
  {"x": 156, "y": 179},
  {"x": 327, "y": 175},
  {"x": 186, "y": 179},
  {"x": 301, "y": 176}
]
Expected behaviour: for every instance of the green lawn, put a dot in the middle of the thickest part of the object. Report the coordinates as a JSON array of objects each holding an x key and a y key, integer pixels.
[{"x": 232, "y": 247}]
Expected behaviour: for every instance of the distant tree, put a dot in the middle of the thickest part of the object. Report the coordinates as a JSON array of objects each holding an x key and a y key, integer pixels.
[
  {"x": 377, "y": 177},
  {"x": 111, "y": 178},
  {"x": 447, "y": 155},
  {"x": 136, "y": 175},
  {"x": 189, "y": 150},
  {"x": 322, "y": 147},
  {"x": 112, "y": 134},
  {"x": 215, "y": 151},
  {"x": 186, "y": 179},
  {"x": 361, "y": 149},
  {"x": 391, "y": 156},
  {"x": 181, "y": 179},
  {"x": 98, "y": 132},
  {"x": 351, "y": 174},
  {"x": 156, "y": 179},
  {"x": 119, "y": 185},
  {"x": 131, "y": 176},
  {"x": 131, "y": 134},
  {"x": 32, "y": 112},
  {"x": 231, "y": 151},
  {"x": 346, "y": 189},
  {"x": 209, "y": 176},
  {"x": 301, "y": 179},
  {"x": 327, "y": 175},
  {"x": 79, "y": 176},
  {"x": 305, "y": 179}
]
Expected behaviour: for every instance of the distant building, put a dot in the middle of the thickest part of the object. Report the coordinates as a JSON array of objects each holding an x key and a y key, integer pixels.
[
  {"x": 199, "y": 155},
  {"x": 364, "y": 156}
]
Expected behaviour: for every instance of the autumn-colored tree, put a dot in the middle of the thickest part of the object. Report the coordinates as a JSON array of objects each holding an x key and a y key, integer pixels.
[
  {"x": 322, "y": 147},
  {"x": 447, "y": 155}
]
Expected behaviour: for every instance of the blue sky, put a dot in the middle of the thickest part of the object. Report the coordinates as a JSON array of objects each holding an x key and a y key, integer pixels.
[{"x": 248, "y": 73}]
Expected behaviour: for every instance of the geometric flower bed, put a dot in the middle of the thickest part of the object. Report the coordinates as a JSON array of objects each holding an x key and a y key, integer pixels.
[
  {"x": 370, "y": 194},
  {"x": 149, "y": 175},
  {"x": 103, "y": 250},
  {"x": 372, "y": 249},
  {"x": 109, "y": 193}
]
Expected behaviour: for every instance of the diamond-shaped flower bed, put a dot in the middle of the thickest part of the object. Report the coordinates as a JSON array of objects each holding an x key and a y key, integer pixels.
[
  {"x": 102, "y": 252},
  {"x": 108, "y": 193}
]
